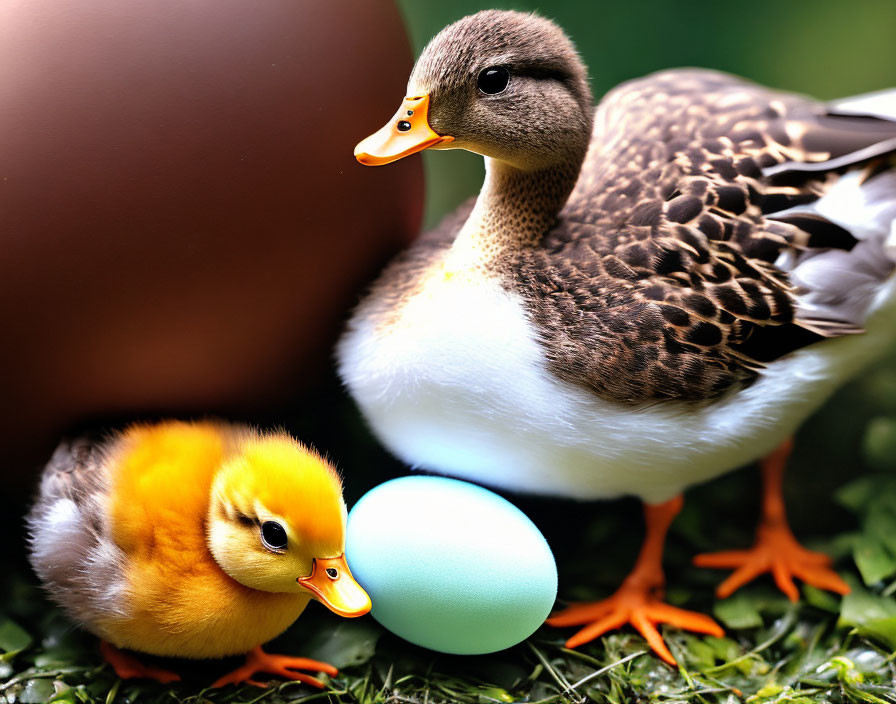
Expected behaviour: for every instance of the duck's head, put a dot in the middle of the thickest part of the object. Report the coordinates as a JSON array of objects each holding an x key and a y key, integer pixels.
[
  {"x": 507, "y": 85},
  {"x": 277, "y": 523}
]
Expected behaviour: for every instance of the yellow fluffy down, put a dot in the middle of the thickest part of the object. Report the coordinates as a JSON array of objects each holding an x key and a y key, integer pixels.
[
  {"x": 180, "y": 602},
  {"x": 287, "y": 479}
]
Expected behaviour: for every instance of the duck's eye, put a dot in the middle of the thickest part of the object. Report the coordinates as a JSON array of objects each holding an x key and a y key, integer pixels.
[
  {"x": 493, "y": 80},
  {"x": 273, "y": 535}
]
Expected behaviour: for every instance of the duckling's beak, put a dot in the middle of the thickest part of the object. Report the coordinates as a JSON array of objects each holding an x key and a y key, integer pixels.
[
  {"x": 332, "y": 584},
  {"x": 406, "y": 133}
]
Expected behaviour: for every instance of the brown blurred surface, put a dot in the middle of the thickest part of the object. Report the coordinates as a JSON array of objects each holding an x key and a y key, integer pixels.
[{"x": 182, "y": 225}]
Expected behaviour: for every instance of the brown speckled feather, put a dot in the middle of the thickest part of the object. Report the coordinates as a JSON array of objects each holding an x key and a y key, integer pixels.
[
  {"x": 658, "y": 281},
  {"x": 71, "y": 550},
  {"x": 75, "y": 471}
]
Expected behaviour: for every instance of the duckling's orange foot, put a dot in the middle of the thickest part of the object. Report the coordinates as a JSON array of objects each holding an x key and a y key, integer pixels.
[
  {"x": 128, "y": 667},
  {"x": 778, "y": 552},
  {"x": 634, "y": 603},
  {"x": 259, "y": 661}
]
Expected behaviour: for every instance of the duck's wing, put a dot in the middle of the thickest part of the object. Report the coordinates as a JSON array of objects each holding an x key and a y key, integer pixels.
[
  {"x": 716, "y": 226},
  {"x": 76, "y": 472},
  {"x": 70, "y": 547}
]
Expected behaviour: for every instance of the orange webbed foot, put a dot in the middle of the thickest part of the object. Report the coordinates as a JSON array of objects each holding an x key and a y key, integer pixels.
[
  {"x": 778, "y": 552},
  {"x": 638, "y": 601},
  {"x": 775, "y": 549},
  {"x": 128, "y": 667},
  {"x": 284, "y": 665},
  {"x": 634, "y": 604}
]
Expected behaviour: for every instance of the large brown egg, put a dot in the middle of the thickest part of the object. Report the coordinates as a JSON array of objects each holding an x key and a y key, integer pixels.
[{"x": 183, "y": 226}]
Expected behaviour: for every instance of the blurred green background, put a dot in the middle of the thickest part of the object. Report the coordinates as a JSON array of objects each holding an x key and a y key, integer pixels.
[{"x": 824, "y": 48}]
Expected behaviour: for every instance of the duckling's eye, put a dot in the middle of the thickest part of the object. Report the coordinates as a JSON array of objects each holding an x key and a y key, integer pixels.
[
  {"x": 493, "y": 79},
  {"x": 273, "y": 535}
]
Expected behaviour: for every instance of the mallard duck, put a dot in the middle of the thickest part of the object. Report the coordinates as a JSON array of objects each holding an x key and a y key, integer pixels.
[
  {"x": 196, "y": 540},
  {"x": 643, "y": 296}
]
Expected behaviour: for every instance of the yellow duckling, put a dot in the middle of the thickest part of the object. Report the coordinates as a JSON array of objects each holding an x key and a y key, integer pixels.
[{"x": 196, "y": 540}]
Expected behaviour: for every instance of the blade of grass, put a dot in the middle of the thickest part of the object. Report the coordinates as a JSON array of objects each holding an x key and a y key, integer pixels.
[
  {"x": 601, "y": 671},
  {"x": 558, "y": 678},
  {"x": 785, "y": 625}
]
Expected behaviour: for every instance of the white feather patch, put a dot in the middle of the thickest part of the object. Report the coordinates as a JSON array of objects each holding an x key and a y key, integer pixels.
[
  {"x": 839, "y": 285},
  {"x": 63, "y": 515},
  {"x": 881, "y": 103}
]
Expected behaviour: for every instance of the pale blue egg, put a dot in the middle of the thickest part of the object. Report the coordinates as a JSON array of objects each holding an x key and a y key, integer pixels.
[{"x": 449, "y": 565}]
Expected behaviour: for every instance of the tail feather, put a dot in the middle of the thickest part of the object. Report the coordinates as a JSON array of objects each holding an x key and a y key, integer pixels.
[
  {"x": 840, "y": 285},
  {"x": 881, "y": 103}
]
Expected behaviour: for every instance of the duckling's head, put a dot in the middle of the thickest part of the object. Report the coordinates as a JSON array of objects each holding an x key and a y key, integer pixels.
[
  {"x": 277, "y": 523},
  {"x": 504, "y": 84}
]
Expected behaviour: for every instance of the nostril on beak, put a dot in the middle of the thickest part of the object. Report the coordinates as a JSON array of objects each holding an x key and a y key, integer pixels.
[
  {"x": 332, "y": 573},
  {"x": 403, "y": 125}
]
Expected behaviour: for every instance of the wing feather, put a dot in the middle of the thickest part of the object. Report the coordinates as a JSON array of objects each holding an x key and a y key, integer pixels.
[{"x": 672, "y": 272}]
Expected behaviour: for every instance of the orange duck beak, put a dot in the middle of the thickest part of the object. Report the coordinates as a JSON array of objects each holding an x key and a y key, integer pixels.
[
  {"x": 332, "y": 584},
  {"x": 408, "y": 132}
]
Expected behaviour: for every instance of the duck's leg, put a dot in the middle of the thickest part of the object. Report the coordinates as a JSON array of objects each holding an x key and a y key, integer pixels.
[
  {"x": 259, "y": 661},
  {"x": 128, "y": 667},
  {"x": 775, "y": 549},
  {"x": 639, "y": 600}
]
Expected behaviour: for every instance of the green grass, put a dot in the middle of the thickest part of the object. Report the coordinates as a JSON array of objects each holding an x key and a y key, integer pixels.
[{"x": 841, "y": 492}]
